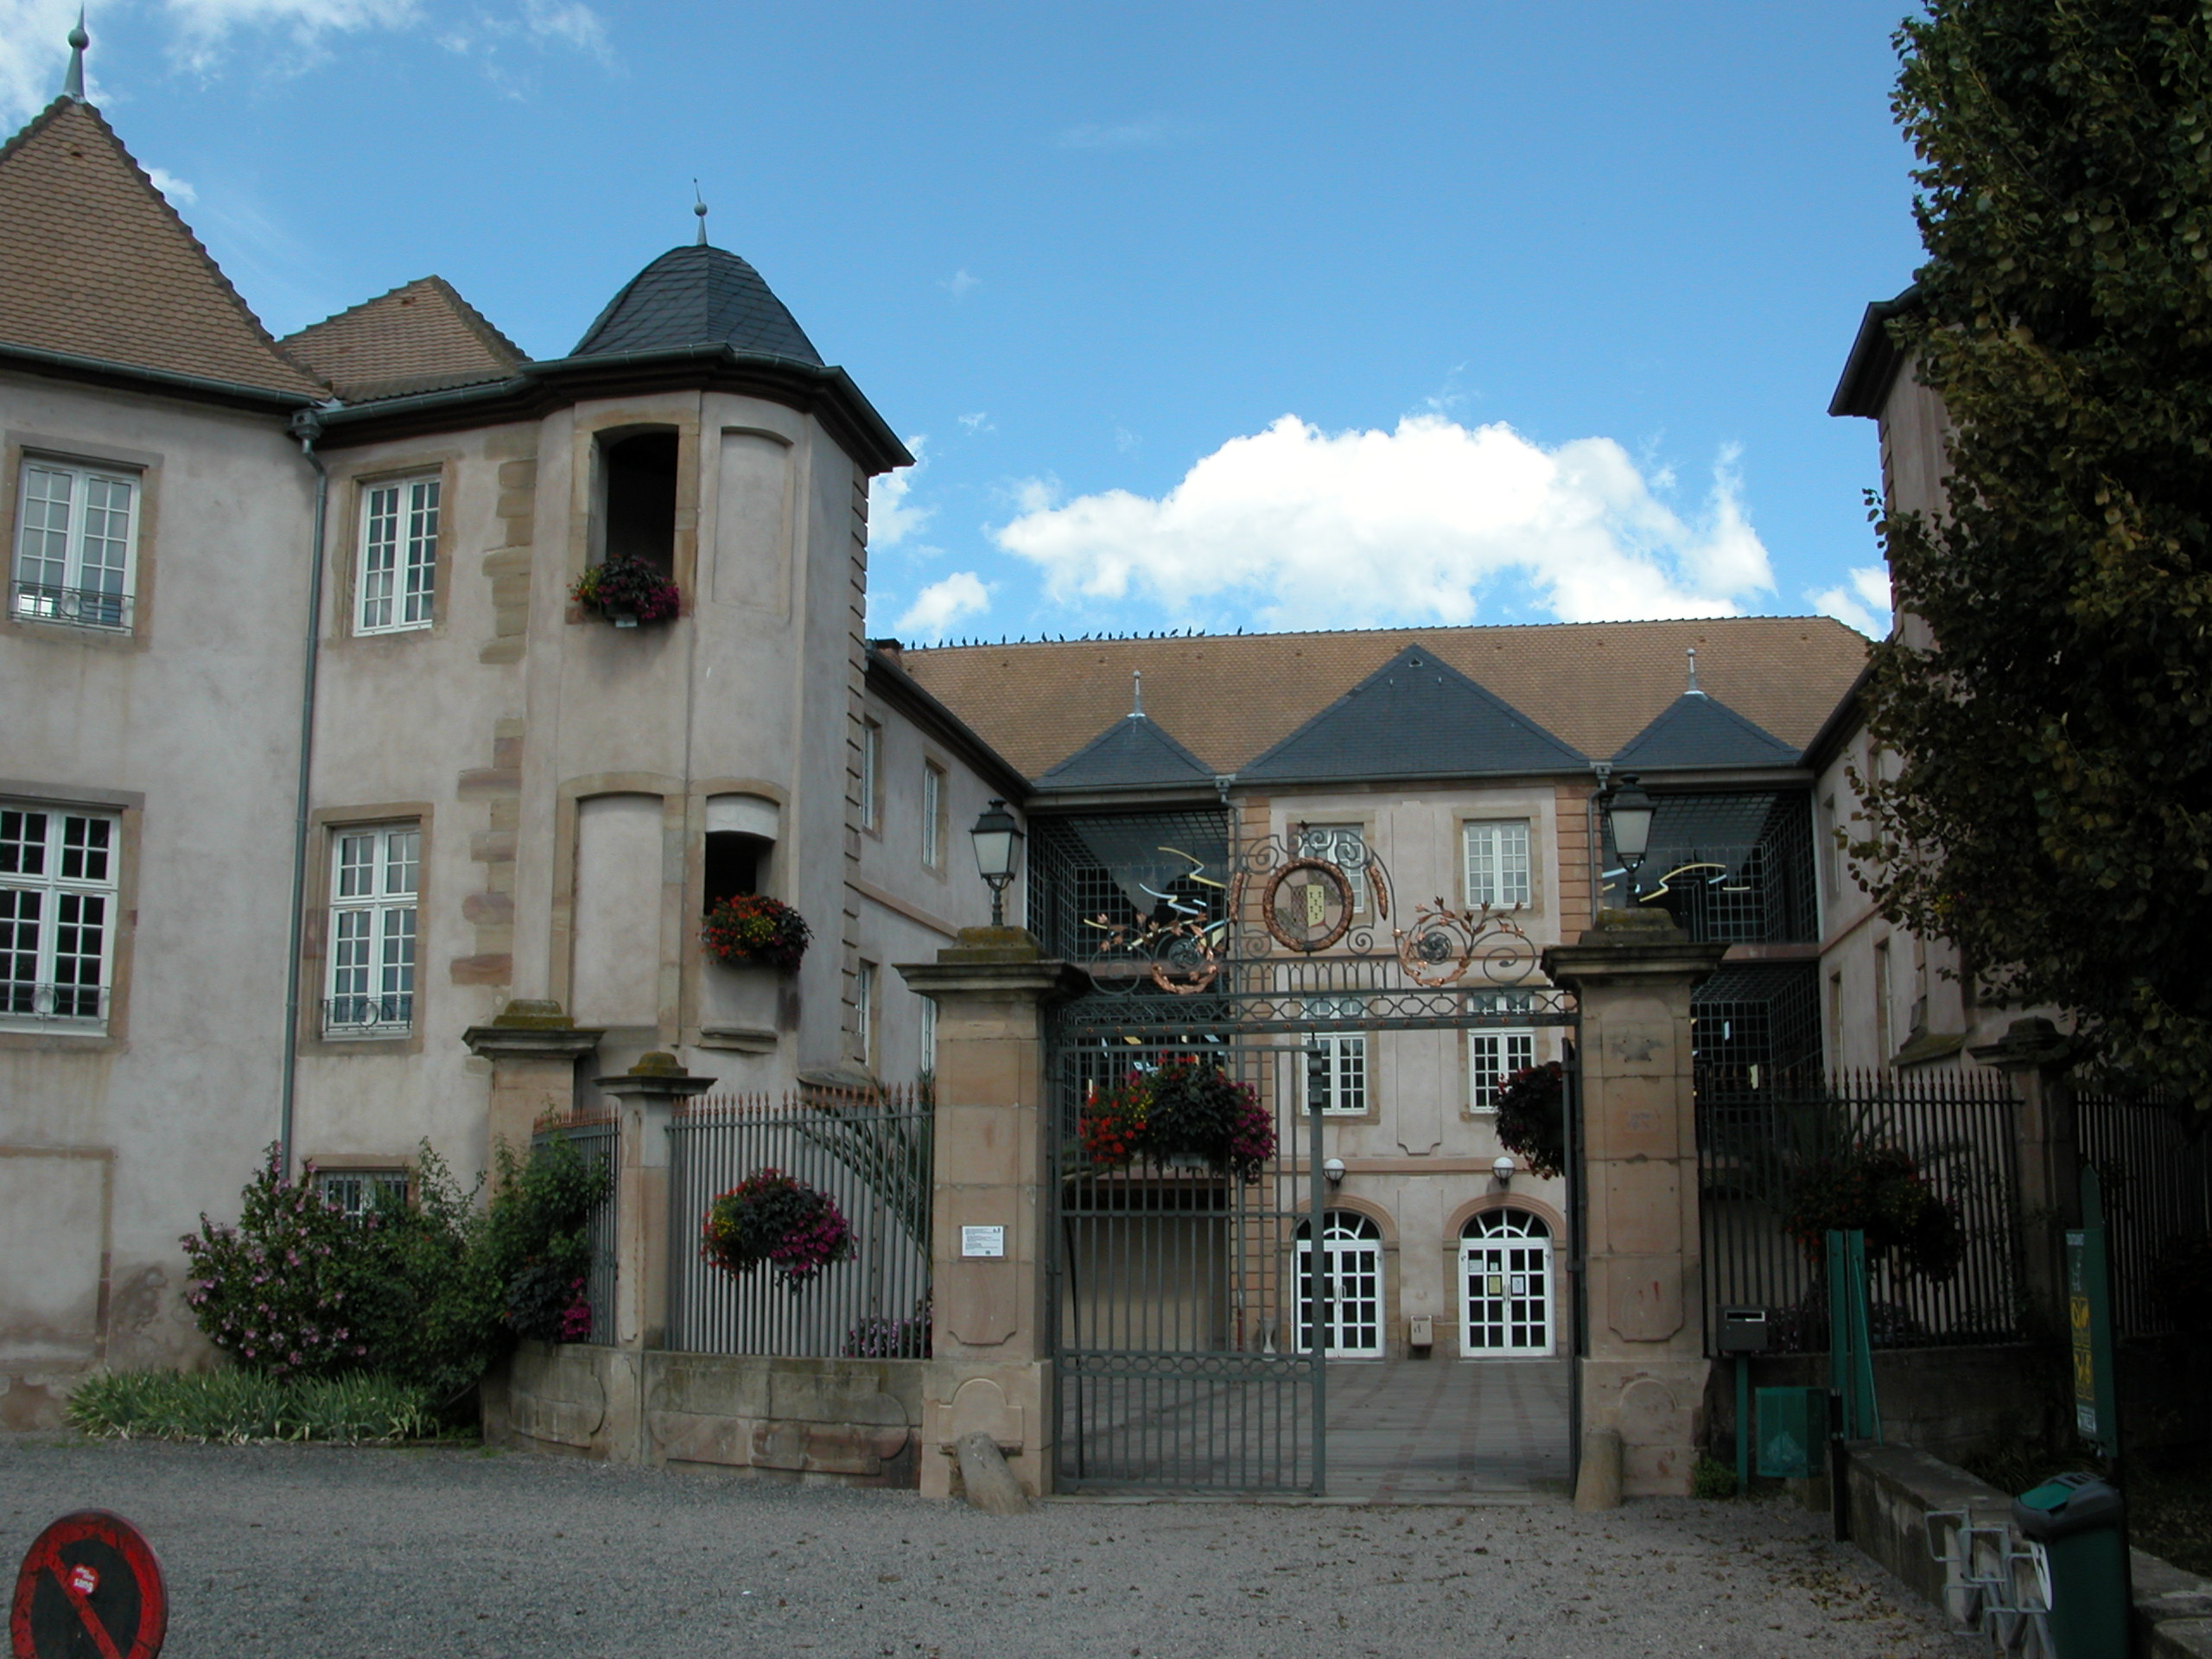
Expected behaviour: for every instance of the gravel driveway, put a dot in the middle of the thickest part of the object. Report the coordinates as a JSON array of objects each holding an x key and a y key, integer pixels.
[{"x": 331, "y": 1553}]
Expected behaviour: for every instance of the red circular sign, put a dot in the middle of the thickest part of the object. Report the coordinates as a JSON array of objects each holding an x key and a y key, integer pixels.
[{"x": 89, "y": 1589}]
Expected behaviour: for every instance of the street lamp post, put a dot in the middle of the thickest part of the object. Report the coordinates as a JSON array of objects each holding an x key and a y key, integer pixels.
[
  {"x": 998, "y": 854},
  {"x": 1628, "y": 814}
]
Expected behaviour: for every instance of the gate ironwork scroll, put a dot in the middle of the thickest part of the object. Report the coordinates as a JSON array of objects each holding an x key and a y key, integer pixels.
[{"x": 1180, "y": 1297}]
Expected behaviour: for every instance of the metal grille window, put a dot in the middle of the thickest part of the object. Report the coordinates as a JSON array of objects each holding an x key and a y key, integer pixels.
[
  {"x": 1757, "y": 1026},
  {"x": 375, "y": 876},
  {"x": 399, "y": 555},
  {"x": 1730, "y": 869},
  {"x": 74, "y": 546},
  {"x": 1343, "y": 845},
  {"x": 1351, "y": 1292},
  {"x": 929, "y": 1034},
  {"x": 932, "y": 815},
  {"x": 1097, "y": 882},
  {"x": 1497, "y": 863},
  {"x": 1505, "y": 1267},
  {"x": 1345, "y": 1064},
  {"x": 1492, "y": 1056},
  {"x": 361, "y": 1191},
  {"x": 864, "y": 1012},
  {"x": 57, "y": 902}
]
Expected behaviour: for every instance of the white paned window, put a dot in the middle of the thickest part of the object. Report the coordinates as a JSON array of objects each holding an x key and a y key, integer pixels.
[
  {"x": 1343, "y": 845},
  {"x": 1351, "y": 1291},
  {"x": 929, "y": 1034},
  {"x": 864, "y": 1011},
  {"x": 1344, "y": 1059},
  {"x": 1505, "y": 1272},
  {"x": 871, "y": 768},
  {"x": 75, "y": 542},
  {"x": 1492, "y": 1056},
  {"x": 375, "y": 875},
  {"x": 1497, "y": 863},
  {"x": 932, "y": 815},
  {"x": 361, "y": 1191},
  {"x": 399, "y": 555},
  {"x": 57, "y": 916}
]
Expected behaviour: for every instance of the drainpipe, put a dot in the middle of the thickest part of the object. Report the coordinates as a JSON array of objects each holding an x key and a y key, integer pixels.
[{"x": 307, "y": 427}]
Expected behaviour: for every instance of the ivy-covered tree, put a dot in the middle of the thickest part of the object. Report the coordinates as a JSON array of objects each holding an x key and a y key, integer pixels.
[{"x": 2050, "y": 805}]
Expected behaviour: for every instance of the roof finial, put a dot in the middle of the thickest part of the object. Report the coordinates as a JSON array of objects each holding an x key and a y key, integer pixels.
[
  {"x": 1136, "y": 694},
  {"x": 1693, "y": 692},
  {"x": 73, "y": 85},
  {"x": 699, "y": 206}
]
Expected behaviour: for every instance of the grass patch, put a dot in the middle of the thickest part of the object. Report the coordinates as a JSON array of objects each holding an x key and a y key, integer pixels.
[
  {"x": 233, "y": 1407},
  {"x": 1711, "y": 1478}
]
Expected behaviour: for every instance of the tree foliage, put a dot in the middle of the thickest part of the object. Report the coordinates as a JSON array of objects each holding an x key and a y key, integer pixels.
[{"x": 2049, "y": 808}]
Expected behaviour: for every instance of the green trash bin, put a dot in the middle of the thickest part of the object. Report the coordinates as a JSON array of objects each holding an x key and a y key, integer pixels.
[
  {"x": 2076, "y": 1518},
  {"x": 1793, "y": 1431}
]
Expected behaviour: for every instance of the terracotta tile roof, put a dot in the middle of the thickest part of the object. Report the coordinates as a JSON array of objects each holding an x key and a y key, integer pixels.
[
  {"x": 95, "y": 263},
  {"x": 1595, "y": 685},
  {"x": 421, "y": 337}
]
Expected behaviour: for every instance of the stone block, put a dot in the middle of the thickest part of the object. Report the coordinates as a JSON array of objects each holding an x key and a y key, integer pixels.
[
  {"x": 518, "y": 474},
  {"x": 1643, "y": 1296},
  {"x": 1598, "y": 1482},
  {"x": 989, "y": 1484},
  {"x": 492, "y": 967}
]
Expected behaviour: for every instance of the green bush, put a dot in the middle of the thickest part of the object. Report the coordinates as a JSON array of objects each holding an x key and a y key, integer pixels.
[
  {"x": 234, "y": 1406},
  {"x": 428, "y": 1292},
  {"x": 1711, "y": 1478}
]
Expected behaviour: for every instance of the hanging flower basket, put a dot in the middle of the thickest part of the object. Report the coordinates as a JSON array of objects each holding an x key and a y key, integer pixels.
[
  {"x": 751, "y": 927},
  {"x": 1881, "y": 1192},
  {"x": 1182, "y": 1109},
  {"x": 770, "y": 1217},
  {"x": 627, "y": 592}
]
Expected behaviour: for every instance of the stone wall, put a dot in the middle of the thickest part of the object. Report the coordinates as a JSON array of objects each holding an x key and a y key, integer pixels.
[
  {"x": 850, "y": 1422},
  {"x": 1945, "y": 1401}
]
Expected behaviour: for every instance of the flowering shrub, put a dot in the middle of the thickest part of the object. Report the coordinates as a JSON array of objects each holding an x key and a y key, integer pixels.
[
  {"x": 753, "y": 927},
  {"x": 891, "y": 1338},
  {"x": 546, "y": 1303},
  {"x": 770, "y": 1217},
  {"x": 1532, "y": 1117},
  {"x": 1878, "y": 1190},
  {"x": 1182, "y": 1108},
  {"x": 280, "y": 1292},
  {"x": 621, "y": 586}
]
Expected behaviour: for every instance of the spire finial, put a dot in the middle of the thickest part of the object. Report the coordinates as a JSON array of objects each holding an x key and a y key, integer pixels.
[
  {"x": 1693, "y": 692},
  {"x": 73, "y": 85},
  {"x": 1136, "y": 694},
  {"x": 699, "y": 206}
]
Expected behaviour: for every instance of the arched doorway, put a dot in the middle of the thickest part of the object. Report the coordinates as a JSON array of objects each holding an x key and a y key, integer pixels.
[
  {"x": 1351, "y": 1259},
  {"x": 1505, "y": 1278}
]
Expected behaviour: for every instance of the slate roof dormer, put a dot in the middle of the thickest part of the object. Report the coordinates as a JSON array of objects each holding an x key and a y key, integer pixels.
[
  {"x": 1696, "y": 732},
  {"x": 695, "y": 296},
  {"x": 1133, "y": 753},
  {"x": 1415, "y": 716},
  {"x": 97, "y": 269},
  {"x": 422, "y": 336}
]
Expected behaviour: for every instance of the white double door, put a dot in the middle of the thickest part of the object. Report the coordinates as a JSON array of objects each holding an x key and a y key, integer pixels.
[
  {"x": 1505, "y": 1278},
  {"x": 1352, "y": 1266}
]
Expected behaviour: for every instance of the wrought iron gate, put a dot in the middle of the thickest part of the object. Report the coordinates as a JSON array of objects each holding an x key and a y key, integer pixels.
[{"x": 1189, "y": 1323}]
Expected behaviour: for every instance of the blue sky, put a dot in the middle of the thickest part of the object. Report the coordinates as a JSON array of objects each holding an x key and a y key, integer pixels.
[{"x": 1201, "y": 316}]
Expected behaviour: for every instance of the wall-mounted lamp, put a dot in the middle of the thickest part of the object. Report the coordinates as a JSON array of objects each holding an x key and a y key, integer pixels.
[
  {"x": 998, "y": 854},
  {"x": 1334, "y": 1172},
  {"x": 1502, "y": 1168}
]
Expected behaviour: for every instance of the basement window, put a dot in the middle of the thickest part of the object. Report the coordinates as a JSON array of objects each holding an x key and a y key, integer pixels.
[{"x": 639, "y": 512}]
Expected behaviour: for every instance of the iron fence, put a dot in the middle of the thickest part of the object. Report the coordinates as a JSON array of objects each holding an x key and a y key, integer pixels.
[
  {"x": 1766, "y": 1159},
  {"x": 2156, "y": 1164},
  {"x": 871, "y": 1151},
  {"x": 596, "y": 1139}
]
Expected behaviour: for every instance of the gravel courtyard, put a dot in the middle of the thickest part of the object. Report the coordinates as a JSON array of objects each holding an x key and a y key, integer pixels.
[{"x": 298, "y": 1551}]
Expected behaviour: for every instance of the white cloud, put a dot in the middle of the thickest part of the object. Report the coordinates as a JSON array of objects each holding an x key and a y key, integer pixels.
[
  {"x": 1148, "y": 134},
  {"x": 891, "y": 518},
  {"x": 567, "y": 20},
  {"x": 1861, "y": 601},
  {"x": 181, "y": 195},
  {"x": 978, "y": 422},
  {"x": 960, "y": 283},
  {"x": 1312, "y": 528},
  {"x": 941, "y": 604}
]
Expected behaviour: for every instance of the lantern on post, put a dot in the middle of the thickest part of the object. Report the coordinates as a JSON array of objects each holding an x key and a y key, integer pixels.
[
  {"x": 998, "y": 854},
  {"x": 1628, "y": 812}
]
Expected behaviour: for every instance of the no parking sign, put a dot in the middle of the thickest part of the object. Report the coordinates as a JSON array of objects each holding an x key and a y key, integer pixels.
[{"x": 89, "y": 1589}]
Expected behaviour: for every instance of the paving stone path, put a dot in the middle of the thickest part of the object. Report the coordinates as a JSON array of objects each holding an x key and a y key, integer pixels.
[{"x": 298, "y": 1551}]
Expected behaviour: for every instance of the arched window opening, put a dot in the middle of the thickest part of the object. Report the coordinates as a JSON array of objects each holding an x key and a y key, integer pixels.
[
  {"x": 736, "y": 862},
  {"x": 638, "y": 473}
]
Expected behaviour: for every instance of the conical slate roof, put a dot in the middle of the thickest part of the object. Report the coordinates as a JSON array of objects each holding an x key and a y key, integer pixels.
[
  {"x": 698, "y": 295},
  {"x": 420, "y": 337},
  {"x": 96, "y": 263},
  {"x": 1416, "y": 717},
  {"x": 1132, "y": 753},
  {"x": 1695, "y": 730}
]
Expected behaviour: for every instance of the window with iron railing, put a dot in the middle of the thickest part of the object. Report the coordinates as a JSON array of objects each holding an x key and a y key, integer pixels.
[
  {"x": 75, "y": 547},
  {"x": 57, "y": 906},
  {"x": 375, "y": 876}
]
